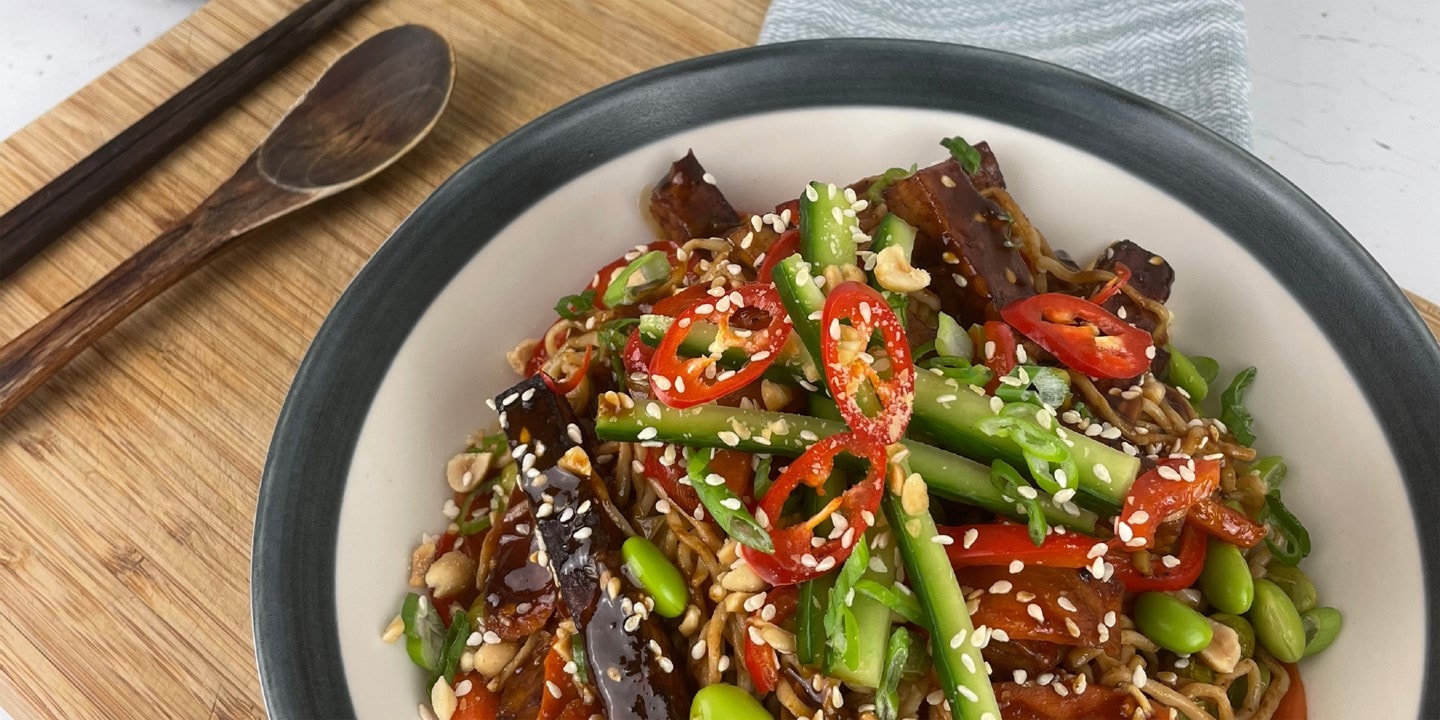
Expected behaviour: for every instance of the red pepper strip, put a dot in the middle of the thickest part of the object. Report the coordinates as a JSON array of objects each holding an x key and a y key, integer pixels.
[
  {"x": 1108, "y": 290},
  {"x": 479, "y": 703},
  {"x": 1082, "y": 335},
  {"x": 1172, "y": 487},
  {"x": 682, "y": 301},
  {"x": 602, "y": 279},
  {"x": 761, "y": 661},
  {"x": 1226, "y": 523},
  {"x": 538, "y": 357},
  {"x": 572, "y": 382},
  {"x": 1191, "y": 555},
  {"x": 668, "y": 476},
  {"x": 846, "y": 368},
  {"x": 1001, "y": 544},
  {"x": 763, "y": 665},
  {"x": 570, "y": 704},
  {"x": 637, "y": 355},
  {"x": 796, "y": 559},
  {"x": 1001, "y": 357},
  {"x": 684, "y": 382},
  {"x": 1293, "y": 706},
  {"x": 787, "y": 245}
]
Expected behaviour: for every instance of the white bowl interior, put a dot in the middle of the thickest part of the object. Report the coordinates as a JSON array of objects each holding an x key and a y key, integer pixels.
[{"x": 1343, "y": 482}]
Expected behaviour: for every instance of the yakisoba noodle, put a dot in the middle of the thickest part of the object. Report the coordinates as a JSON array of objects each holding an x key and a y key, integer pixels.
[{"x": 880, "y": 452}]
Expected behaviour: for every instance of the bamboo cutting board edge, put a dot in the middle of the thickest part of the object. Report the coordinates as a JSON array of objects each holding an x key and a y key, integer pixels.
[{"x": 127, "y": 487}]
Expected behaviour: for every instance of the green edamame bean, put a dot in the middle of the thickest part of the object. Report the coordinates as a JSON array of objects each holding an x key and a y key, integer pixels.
[
  {"x": 726, "y": 702},
  {"x": 1277, "y": 622},
  {"x": 1322, "y": 626},
  {"x": 1171, "y": 624},
  {"x": 1295, "y": 583},
  {"x": 655, "y": 574},
  {"x": 1225, "y": 579},
  {"x": 1242, "y": 628}
]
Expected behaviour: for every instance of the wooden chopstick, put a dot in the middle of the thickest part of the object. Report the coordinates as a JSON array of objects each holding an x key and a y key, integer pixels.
[{"x": 44, "y": 216}]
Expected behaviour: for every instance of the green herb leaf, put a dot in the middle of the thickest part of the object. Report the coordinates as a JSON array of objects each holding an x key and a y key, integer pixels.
[
  {"x": 903, "y": 604},
  {"x": 963, "y": 151},
  {"x": 727, "y": 509},
  {"x": 899, "y": 303},
  {"x": 454, "y": 647},
  {"x": 876, "y": 193},
  {"x": 424, "y": 633},
  {"x": 897, "y": 652},
  {"x": 841, "y": 626},
  {"x": 574, "y": 307},
  {"x": 1233, "y": 411}
]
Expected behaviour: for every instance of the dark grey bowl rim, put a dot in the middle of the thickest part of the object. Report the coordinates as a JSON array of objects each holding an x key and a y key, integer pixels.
[{"x": 1381, "y": 338}]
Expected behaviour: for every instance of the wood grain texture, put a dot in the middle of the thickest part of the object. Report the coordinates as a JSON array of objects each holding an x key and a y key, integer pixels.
[
  {"x": 128, "y": 483},
  {"x": 42, "y": 217}
]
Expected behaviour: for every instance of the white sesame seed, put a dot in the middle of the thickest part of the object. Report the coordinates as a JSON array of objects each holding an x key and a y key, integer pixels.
[
  {"x": 943, "y": 540},
  {"x": 1064, "y": 496},
  {"x": 583, "y": 533},
  {"x": 647, "y": 433},
  {"x": 1035, "y": 611},
  {"x": 957, "y": 640},
  {"x": 1000, "y": 587},
  {"x": 970, "y": 536},
  {"x": 1065, "y": 603},
  {"x": 728, "y": 437},
  {"x": 1016, "y": 566},
  {"x": 732, "y": 503}
]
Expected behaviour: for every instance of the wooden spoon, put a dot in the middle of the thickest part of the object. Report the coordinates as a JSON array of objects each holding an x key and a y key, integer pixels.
[{"x": 371, "y": 107}]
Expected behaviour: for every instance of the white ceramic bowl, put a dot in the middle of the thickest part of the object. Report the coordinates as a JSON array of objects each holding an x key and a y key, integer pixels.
[{"x": 398, "y": 375}]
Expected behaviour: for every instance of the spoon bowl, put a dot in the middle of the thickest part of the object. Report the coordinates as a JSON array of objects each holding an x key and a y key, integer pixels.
[
  {"x": 369, "y": 108},
  {"x": 374, "y": 104}
]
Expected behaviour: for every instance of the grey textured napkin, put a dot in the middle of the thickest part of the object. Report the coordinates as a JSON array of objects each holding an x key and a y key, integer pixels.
[{"x": 1186, "y": 54}]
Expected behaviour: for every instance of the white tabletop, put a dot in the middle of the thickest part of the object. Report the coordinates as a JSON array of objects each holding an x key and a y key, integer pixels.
[{"x": 1346, "y": 101}]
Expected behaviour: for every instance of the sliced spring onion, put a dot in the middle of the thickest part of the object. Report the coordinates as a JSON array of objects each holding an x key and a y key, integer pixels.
[
  {"x": 960, "y": 370},
  {"x": 577, "y": 655},
  {"x": 1288, "y": 539},
  {"x": 951, "y": 340},
  {"x": 1047, "y": 385},
  {"x": 642, "y": 275},
  {"x": 963, "y": 151},
  {"x": 897, "y": 652},
  {"x": 1008, "y": 481},
  {"x": 876, "y": 193},
  {"x": 727, "y": 509},
  {"x": 424, "y": 632},
  {"x": 1272, "y": 471},
  {"x": 842, "y": 630},
  {"x": 1183, "y": 374},
  {"x": 901, "y": 603}
]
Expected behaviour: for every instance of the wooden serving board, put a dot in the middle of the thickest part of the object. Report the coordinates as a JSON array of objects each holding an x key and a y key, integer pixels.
[{"x": 128, "y": 484}]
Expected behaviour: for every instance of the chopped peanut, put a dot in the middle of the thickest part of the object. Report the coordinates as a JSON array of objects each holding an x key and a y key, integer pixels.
[{"x": 451, "y": 575}]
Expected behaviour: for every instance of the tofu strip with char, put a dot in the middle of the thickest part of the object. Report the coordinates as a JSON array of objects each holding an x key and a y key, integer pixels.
[{"x": 627, "y": 648}]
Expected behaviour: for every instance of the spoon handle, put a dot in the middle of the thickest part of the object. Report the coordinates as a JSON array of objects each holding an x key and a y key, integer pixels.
[{"x": 239, "y": 204}]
